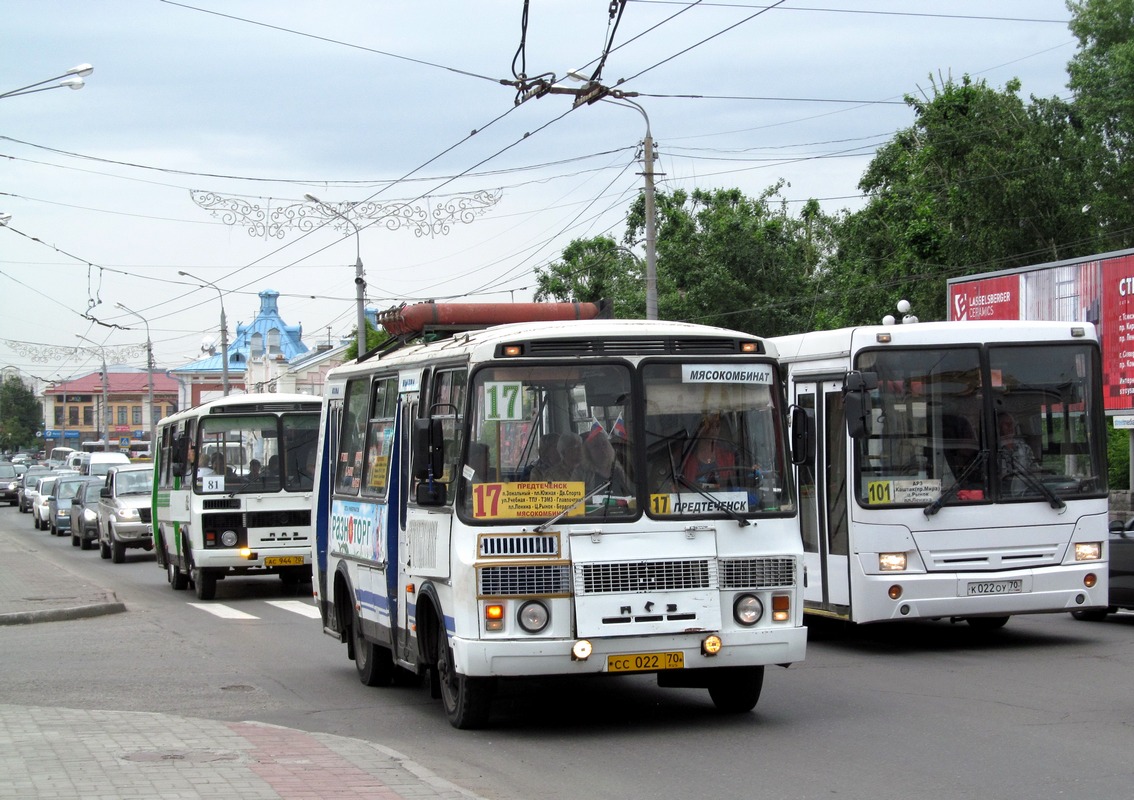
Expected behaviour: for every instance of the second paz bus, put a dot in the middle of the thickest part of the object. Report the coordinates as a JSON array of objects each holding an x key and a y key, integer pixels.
[
  {"x": 563, "y": 497},
  {"x": 958, "y": 470}
]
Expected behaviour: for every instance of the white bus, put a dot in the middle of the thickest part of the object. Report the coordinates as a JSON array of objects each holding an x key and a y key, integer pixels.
[
  {"x": 453, "y": 537},
  {"x": 232, "y": 490},
  {"x": 958, "y": 470}
]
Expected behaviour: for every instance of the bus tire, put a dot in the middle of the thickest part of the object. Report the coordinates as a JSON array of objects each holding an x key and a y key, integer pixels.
[
  {"x": 987, "y": 623},
  {"x": 736, "y": 690},
  {"x": 1093, "y": 614},
  {"x": 178, "y": 580},
  {"x": 467, "y": 700},
  {"x": 205, "y": 582},
  {"x": 375, "y": 664}
]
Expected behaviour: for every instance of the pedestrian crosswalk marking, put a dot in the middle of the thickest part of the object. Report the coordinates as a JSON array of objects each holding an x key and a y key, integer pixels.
[
  {"x": 297, "y": 607},
  {"x": 222, "y": 611}
]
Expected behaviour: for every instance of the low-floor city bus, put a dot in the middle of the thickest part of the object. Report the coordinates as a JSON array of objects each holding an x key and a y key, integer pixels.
[
  {"x": 562, "y": 497},
  {"x": 233, "y": 482},
  {"x": 958, "y": 470}
]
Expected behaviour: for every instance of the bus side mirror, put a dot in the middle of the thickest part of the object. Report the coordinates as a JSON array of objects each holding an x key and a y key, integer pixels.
[
  {"x": 428, "y": 449},
  {"x": 802, "y": 435},
  {"x": 856, "y": 402}
]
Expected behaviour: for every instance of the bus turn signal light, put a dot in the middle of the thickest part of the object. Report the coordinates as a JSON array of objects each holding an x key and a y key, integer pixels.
[{"x": 494, "y": 617}]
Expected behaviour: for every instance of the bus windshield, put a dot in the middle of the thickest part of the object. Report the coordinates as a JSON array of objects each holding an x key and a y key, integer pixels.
[
  {"x": 256, "y": 453},
  {"x": 572, "y": 443},
  {"x": 972, "y": 425}
]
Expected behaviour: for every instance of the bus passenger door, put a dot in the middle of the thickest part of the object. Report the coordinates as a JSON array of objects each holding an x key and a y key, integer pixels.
[{"x": 823, "y": 500}]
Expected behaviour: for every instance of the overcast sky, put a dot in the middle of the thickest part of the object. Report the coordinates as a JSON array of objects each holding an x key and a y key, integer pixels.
[{"x": 252, "y": 105}]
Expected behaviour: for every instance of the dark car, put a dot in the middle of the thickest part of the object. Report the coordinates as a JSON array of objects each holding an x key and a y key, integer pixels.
[
  {"x": 1121, "y": 585},
  {"x": 9, "y": 483},
  {"x": 27, "y": 481},
  {"x": 84, "y": 513}
]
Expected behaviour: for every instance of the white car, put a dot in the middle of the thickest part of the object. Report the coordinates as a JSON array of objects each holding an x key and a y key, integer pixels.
[{"x": 41, "y": 513}]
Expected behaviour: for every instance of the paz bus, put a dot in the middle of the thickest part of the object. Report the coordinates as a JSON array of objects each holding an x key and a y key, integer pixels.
[
  {"x": 232, "y": 490},
  {"x": 957, "y": 470},
  {"x": 509, "y": 491}
]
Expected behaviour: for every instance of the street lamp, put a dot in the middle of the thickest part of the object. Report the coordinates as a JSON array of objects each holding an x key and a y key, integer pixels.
[
  {"x": 590, "y": 93},
  {"x": 359, "y": 279},
  {"x": 149, "y": 374},
  {"x": 223, "y": 329},
  {"x": 105, "y": 392},
  {"x": 71, "y": 79}
]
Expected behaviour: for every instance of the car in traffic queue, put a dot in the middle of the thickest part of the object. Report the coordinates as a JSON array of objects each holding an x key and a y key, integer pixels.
[
  {"x": 1120, "y": 587},
  {"x": 9, "y": 483},
  {"x": 124, "y": 515},
  {"x": 41, "y": 496},
  {"x": 59, "y": 503},
  {"x": 27, "y": 483},
  {"x": 84, "y": 514}
]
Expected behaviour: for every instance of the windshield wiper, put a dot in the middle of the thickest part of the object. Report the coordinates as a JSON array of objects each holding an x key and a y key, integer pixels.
[
  {"x": 543, "y": 526},
  {"x": 718, "y": 505},
  {"x": 1035, "y": 483},
  {"x": 949, "y": 493}
]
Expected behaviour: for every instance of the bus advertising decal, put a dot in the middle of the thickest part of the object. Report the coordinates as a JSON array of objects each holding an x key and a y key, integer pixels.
[{"x": 356, "y": 529}]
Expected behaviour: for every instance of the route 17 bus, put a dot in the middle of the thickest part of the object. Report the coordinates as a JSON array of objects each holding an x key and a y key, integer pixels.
[
  {"x": 958, "y": 470},
  {"x": 449, "y": 541},
  {"x": 233, "y": 482}
]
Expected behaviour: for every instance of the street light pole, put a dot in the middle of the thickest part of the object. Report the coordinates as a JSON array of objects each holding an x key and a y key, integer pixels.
[
  {"x": 223, "y": 328},
  {"x": 149, "y": 374},
  {"x": 359, "y": 276},
  {"x": 71, "y": 79},
  {"x": 105, "y": 393}
]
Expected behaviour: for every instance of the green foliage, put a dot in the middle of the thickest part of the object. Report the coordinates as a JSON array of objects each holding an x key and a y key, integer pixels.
[
  {"x": 20, "y": 415},
  {"x": 1118, "y": 458},
  {"x": 374, "y": 338},
  {"x": 592, "y": 270}
]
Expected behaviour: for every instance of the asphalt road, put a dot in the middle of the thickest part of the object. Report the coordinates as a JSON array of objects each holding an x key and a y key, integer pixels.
[{"x": 1043, "y": 708}]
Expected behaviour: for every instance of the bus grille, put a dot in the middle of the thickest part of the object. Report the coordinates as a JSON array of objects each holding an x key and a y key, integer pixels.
[
  {"x": 519, "y": 545},
  {"x": 757, "y": 573},
  {"x": 637, "y": 346},
  {"x": 644, "y": 576},
  {"x": 516, "y": 581},
  {"x": 220, "y": 503},
  {"x": 283, "y": 518}
]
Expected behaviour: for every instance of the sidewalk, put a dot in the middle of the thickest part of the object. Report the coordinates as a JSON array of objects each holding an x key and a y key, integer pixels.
[{"x": 66, "y": 754}]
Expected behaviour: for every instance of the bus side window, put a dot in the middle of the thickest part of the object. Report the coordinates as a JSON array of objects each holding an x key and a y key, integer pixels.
[{"x": 348, "y": 461}]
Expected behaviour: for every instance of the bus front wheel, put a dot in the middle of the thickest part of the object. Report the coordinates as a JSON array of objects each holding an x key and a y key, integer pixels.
[
  {"x": 987, "y": 623},
  {"x": 467, "y": 700},
  {"x": 375, "y": 664},
  {"x": 736, "y": 690},
  {"x": 205, "y": 582}
]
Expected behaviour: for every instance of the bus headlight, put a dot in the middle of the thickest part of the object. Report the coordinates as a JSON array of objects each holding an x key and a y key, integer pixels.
[
  {"x": 229, "y": 538},
  {"x": 892, "y": 562},
  {"x": 747, "y": 609},
  {"x": 533, "y": 616},
  {"x": 1088, "y": 551}
]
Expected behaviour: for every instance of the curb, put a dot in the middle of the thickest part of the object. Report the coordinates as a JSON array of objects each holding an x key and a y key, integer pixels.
[{"x": 60, "y": 614}]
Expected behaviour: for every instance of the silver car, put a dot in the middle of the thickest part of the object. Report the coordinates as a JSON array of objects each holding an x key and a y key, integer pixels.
[
  {"x": 124, "y": 511},
  {"x": 84, "y": 513}
]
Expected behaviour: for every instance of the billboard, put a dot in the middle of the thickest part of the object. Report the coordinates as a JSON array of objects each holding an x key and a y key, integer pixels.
[{"x": 1096, "y": 289}]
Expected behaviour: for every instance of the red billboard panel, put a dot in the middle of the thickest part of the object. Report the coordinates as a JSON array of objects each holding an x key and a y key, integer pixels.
[{"x": 985, "y": 299}]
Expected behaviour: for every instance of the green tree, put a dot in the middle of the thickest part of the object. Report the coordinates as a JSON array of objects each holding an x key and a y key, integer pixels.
[
  {"x": 374, "y": 338},
  {"x": 982, "y": 181},
  {"x": 591, "y": 270},
  {"x": 1101, "y": 76},
  {"x": 20, "y": 415}
]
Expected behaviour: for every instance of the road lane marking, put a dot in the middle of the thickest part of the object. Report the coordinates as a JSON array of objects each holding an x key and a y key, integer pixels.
[
  {"x": 222, "y": 611},
  {"x": 296, "y": 607}
]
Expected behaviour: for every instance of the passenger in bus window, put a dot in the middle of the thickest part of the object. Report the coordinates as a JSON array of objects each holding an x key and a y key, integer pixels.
[
  {"x": 711, "y": 460},
  {"x": 1015, "y": 456},
  {"x": 546, "y": 467},
  {"x": 254, "y": 473},
  {"x": 600, "y": 467},
  {"x": 570, "y": 448},
  {"x": 273, "y": 468}
]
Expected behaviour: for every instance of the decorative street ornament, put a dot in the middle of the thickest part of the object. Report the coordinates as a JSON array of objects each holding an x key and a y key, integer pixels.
[
  {"x": 431, "y": 219},
  {"x": 47, "y": 353}
]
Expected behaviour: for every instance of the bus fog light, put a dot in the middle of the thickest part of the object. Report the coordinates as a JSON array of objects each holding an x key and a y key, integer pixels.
[
  {"x": 747, "y": 609},
  {"x": 781, "y": 608},
  {"x": 228, "y": 539},
  {"x": 895, "y": 591},
  {"x": 533, "y": 616},
  {"x": 1088, "y": 551},
  {"x": 1090, "y": 579},
  {"x": 711, "y": 645},
  {"x": 581, "y": 650},
  {"x": 494, "y": 617},
  {"x": 892, "y": 562}
]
